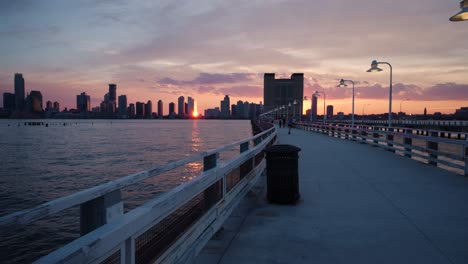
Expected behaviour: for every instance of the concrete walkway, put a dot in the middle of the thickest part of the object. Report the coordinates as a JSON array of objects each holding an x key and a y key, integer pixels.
[{"x": 359, "y": 204}]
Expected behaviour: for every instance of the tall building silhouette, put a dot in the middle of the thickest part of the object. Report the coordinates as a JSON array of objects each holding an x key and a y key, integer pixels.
[
  {"x": 56, "y": 106},
  {"x": 279, "y": 92},
  {"x": 160, "y": 108},
  {"x": 9, "y": 101},
  {"x": 314, "y": 107},
  {"x": 113, "y": 93},
  {"x": 34, "y": 102},
  {"x": 181, "y": 106},
  {"x": 83, "y": 102},
  {"x": 49, "y": 106},
  {"x": 240, "y": 109},
  {"x": 131, "y": 111},
  {"x": 19, "y": 92},
  {"x": 225, "y": 103},
  {"x": 148, "y": 109},
  {"x": 122, "y": 108},
  {"x": 190, "y": 106},
  {"x": 329, "y": 111},
  {"x": 140, "y": 110},
  {"x": 171, "y": 108}
]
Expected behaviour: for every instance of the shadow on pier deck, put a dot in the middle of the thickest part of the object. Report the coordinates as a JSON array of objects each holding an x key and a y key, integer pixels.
[{"x": 359, "y": 204}]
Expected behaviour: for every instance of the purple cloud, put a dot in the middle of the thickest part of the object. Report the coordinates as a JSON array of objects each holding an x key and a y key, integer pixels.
[
  {"x": 211, "y": 78},
  {"x": 446, "y": 91}
]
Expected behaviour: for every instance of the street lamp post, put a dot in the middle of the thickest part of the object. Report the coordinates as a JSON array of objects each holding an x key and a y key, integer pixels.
[
  {"x": 463, "y": 14},
  {"x": 343, "y": 84},
  {"x": 374, "y": 68},
  {"x": 287, "y": 111},
  {"x": 317, "y": 93}
]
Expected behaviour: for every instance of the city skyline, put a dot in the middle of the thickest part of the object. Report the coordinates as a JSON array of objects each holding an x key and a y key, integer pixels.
[{"x": 208, "y": 49}]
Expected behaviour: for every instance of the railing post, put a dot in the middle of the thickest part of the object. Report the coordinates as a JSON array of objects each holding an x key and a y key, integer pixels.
[
  {"x": 363, "y": 136},
  {"x": 129, "y": 251},
  {"x": 100, "y": 211},
  {"x": 408, "y": 141},
  {"x": 390, "y": 139},
  {"x": 432, "y": 148},
  {"x": 209, "y": 162},
  {"x": 376, "y": 135},
  {"x": 245, "y": 146}
]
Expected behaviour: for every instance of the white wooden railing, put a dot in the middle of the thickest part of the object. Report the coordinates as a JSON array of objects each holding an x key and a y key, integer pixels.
[
  {"x": 396, "y": 122},
  {"x": 448, "y": 150},
  {"x": 171, "y": 228}
]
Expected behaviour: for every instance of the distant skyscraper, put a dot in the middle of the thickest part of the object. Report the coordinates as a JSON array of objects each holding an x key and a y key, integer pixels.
[
  {"x": 49, "y": 106},
  {"x": 279, "y": 92},
  {"x": 181, "y": 106},
  {"x": 190, "y": 106},
  {"x": 83, "y": 102},
  {"x": 234, "y": 110},
  {"x": 9, "y": 101},
  {"x": 34, "y": 102},
  {"x": 140, "y": 110},
  {"x": 131, "y": 111},
  {"x": 122, "y": 106},
  {"x": 113, "y": 93},
  {"x": 160, "y": 109},
  {"x": 148, "y": 109},
  {"x": 171, "y": 108},
  {"x": 425, "y": 111},
  {"x": 225, "y": 113},
  {"x": 246, "y": 111},
  {"x": 329, "y": 111},
  {"x": 240, "y": 109},
  {"x": 19, "y": 92},
  {"x": 56, "y": 106},
  {"x": 314, "y": 107}
]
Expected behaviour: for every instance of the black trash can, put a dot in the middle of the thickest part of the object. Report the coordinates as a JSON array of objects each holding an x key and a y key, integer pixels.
[{"x": 282, "y": 174}]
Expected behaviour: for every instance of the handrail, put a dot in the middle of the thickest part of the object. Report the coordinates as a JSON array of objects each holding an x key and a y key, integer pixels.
[
  {"x": 60, "y": 204},
  {"x": 119, "y": 235},
  {"x": 384, "y": 137}
]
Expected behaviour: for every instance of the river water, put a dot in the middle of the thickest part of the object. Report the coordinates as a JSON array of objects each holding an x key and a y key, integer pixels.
[{"x": 40, "y": 164}]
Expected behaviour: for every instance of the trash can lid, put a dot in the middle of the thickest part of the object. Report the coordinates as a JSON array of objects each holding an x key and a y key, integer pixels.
[{"x": 282, "y": 148}]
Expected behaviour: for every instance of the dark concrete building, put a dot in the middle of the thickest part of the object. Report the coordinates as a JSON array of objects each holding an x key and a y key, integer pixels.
[
  {"x": 9, "y": 102},
  {"x": 140, "y": 110},
  {"x": 171, "y": 108},
  {"x": 279, "y": 92},
  {"x": 34, "y": 102},
  {"x": 181, "y": 106},
  {"x": 19, "y": 92},
  {"x": 329, "y": 111},
  {"x": 83, "y": 102},
  {"x": 148, "y": 109},
  {"x": 160, "y": 109},
  {"x": 122, "y": 106},
  {"x": 314, "y": 108},
  {"x": 113, "y": 93}
]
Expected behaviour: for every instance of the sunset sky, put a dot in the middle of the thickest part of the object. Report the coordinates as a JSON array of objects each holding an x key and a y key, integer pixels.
[{"x": 205, "y": 49}]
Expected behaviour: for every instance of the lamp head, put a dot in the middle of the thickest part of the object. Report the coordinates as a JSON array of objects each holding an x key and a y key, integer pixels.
[
  {"x": 374, "y": 67},
  {"x": 463, "y": 14},
  {"x": 342, "y": 83},
  {"x": 289, "y": 104},
  {"x": 295, "y": 102}
]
